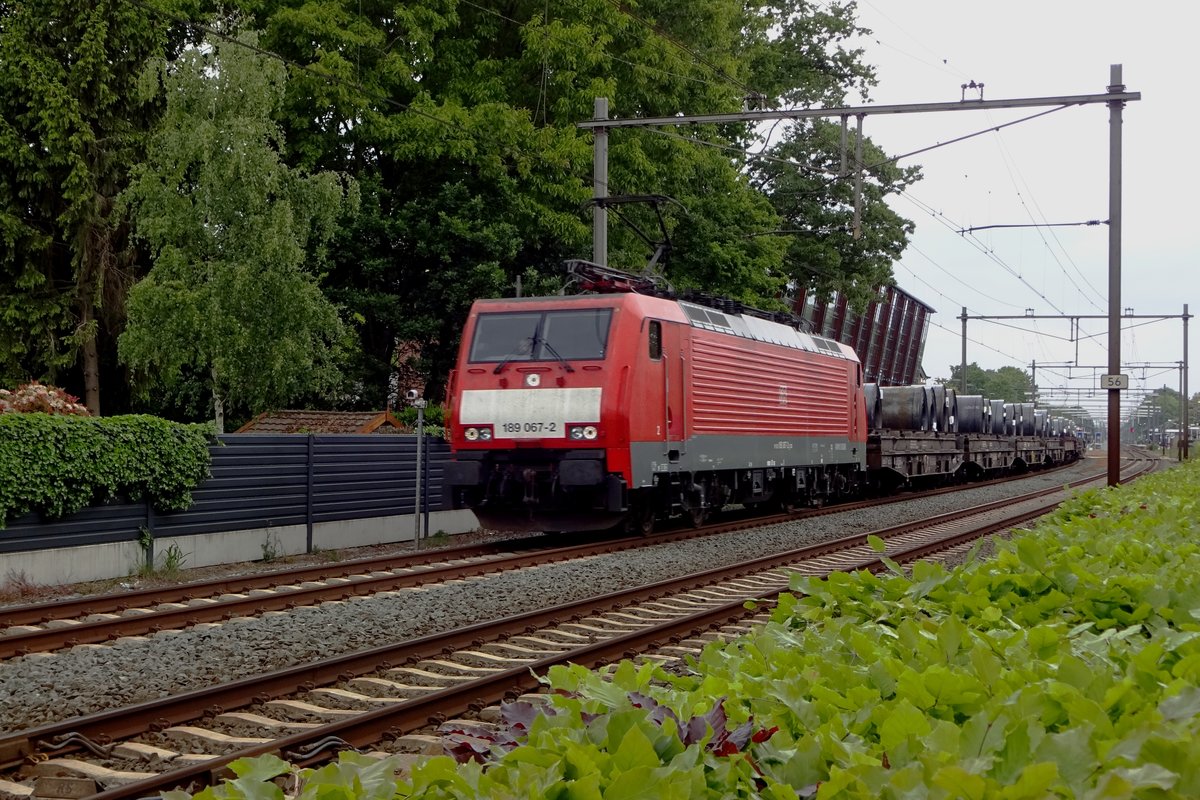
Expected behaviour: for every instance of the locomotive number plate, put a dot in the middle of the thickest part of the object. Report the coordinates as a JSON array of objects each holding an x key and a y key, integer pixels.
[
  {"x": 530, "y": 413},
  {"x": 517, "y": 430}
]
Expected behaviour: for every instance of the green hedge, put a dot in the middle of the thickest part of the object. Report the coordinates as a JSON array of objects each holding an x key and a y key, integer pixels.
[
  {"x": 1067, "y": 666},
  {"x": 55, "y": 465}
]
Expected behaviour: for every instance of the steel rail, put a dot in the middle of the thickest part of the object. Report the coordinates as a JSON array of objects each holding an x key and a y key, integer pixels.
[
  {"x": 158, "y": 714},
  {"x": 115, "y": 602},
  {"x": 96, "y": 631},
  {"x": 308, "y": 747}
]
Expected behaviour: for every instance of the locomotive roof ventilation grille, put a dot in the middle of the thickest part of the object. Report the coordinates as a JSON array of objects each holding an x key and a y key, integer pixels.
[
  {"x": 706, "y": 316},
  {"x": 827, "y": 345}
]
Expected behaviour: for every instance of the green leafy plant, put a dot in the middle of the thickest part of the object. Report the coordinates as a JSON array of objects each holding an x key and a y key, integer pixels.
[
  {"x": 146, "y": 542},
  {"x": 55, "y": 465},
  {"x": 434, "y": 419},
  {"x": 270, "y": 549},
  {"x": 172, "y": 560}
]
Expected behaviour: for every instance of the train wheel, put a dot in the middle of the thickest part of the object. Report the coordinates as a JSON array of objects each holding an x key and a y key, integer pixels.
[
  {"x": 696, "y": 516},
  {"x": 640, "y": 521}
]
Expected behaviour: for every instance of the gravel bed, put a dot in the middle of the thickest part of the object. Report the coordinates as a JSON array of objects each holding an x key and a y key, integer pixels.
[
  {"x": 43, "y": 688},
  {"x": 20, "y": 593}
]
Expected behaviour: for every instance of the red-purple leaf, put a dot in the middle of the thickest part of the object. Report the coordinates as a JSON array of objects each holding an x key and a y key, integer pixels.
[{"x": 763, "y": 734}]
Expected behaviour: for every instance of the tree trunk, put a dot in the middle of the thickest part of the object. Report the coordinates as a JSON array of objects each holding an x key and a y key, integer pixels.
[
  {"x": 219, "y": 412},
  {"x": 91, "y": 360},
  {"x": 218, "y": 406}
]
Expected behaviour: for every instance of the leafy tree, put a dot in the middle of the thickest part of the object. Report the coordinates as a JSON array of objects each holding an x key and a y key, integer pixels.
[
  {"x": 1158, "y": 411},
  {"x": 459, "y": 120},
  {"x": 1010, "y": 384},
  {"x": 230, "y": 299},
  {"x": 826, "y": 251},
  {"x": 71, "y": 125}
]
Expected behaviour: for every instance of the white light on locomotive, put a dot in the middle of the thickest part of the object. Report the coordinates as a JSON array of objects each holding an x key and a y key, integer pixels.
[
  {"x": 590, "y": 432},
  {"x": 471, "y": 434}
]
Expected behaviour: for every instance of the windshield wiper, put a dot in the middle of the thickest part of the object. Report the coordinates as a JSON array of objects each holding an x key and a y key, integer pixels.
[
  {"x": 550, "y": 348},
  {"x": 533, "y": 343},
  {"x": 516, "y": 351}
]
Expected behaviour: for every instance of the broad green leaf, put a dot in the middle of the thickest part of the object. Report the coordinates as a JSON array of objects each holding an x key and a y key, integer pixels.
[
  {"x": 634, "y": 750},
  {"x": 1034, "y": 783},
  {"x": 1184, "y": 705},
  {"x": 1071, "y": 750},
  {"x": 586, "y": 788},
  {"x": 959, "y": 783},
  {"x": 901, "y": 721},
  {"x": 261, "y": 768},
  {"x": 639, "y": 783},
  {"x": 1149, "y": 776}
]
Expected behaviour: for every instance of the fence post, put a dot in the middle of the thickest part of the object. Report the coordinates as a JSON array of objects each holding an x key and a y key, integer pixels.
[
  {"x": 425, "y": 483},
  {"x": 419, "y": 404},
  {"x": 308, "y": 496}
]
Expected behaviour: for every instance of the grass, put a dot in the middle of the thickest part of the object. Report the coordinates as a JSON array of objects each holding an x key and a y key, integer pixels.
[{"x": 18, "y": 587}]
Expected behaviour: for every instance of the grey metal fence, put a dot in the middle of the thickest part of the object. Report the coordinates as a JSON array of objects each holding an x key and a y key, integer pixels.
[{"x": 263, "y": 481}]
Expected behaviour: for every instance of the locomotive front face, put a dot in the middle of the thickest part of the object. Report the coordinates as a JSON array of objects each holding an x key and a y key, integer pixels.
[{"x": 526, "y": 416}]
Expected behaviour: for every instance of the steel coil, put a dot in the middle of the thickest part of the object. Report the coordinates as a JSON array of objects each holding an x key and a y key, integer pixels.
[
  {"x": 974, "y": 413},
  {"x": 874, "y": 398},
  {"x": 999, "y": 416},
  {"x": 905, "y": 408}
]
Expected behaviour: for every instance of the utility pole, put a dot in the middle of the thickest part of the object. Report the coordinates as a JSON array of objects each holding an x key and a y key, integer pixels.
[
  {"x": 1187, "y": 431},
  {"x": 964, "y": 349},
  {"x": 600, "y": 184},
  {"x": 1115, "y": 107}
]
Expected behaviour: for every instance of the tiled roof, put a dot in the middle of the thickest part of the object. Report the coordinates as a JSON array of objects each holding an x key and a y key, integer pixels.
[{"x": 322, "y": 422}]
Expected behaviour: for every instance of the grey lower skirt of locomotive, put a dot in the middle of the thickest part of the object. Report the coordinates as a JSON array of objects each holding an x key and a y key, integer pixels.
[{"x": 929, "y": 434}]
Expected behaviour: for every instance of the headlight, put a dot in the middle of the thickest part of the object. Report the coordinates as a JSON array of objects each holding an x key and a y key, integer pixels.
[
  {"x": 576, "y": 432},
  {"x": 471, "y": 434},
  {"x": 485, "y": 434},
  {"x": 590, "y": 432}
]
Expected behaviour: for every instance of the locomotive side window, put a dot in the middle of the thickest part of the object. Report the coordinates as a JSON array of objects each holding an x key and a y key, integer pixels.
[
  {"x": 655, "y": 340},
  {"x": 541, "y": 335}
]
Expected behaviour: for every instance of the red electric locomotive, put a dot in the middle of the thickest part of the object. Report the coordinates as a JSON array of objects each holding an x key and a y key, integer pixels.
[{"x": 583, "y": 412}]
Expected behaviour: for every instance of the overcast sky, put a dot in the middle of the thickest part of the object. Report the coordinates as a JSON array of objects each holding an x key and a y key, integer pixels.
[{"x": 1050, "y": 170}]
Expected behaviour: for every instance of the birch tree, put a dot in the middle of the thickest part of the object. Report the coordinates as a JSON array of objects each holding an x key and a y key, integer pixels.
[{"x": 237, "y": 237}]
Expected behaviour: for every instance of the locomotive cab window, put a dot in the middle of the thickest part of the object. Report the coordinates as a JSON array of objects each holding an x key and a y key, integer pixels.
[
  {"x": 655, "y": 340},
  {"x": 552, "y": 335}
]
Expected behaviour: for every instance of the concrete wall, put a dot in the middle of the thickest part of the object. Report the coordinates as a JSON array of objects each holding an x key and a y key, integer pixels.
[{"x": 119, "y": 559}]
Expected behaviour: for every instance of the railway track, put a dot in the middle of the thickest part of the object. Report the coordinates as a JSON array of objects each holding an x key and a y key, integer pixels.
[
  {"x": 387, "y": 694},
  {"x": 97, "y": 619}
]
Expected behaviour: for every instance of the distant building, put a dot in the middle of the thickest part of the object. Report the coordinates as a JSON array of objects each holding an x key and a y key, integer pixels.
[{"x": 889, "y": 338}]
